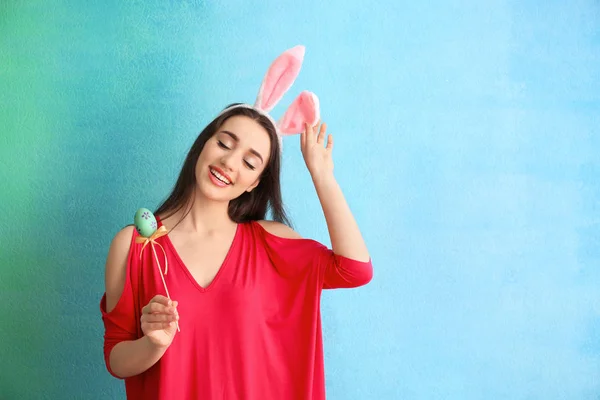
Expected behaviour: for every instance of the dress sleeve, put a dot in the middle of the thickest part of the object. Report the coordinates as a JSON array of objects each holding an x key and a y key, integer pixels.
[
  {"x": 296, "y": 257},
  {"x": 121, "y": 323}
]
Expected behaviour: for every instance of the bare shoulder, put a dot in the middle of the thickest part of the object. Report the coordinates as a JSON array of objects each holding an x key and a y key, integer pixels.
[
  {"x": 123, "y": 238},
  {"x": 278, "y": 229},
  {"x": 116, "y": 266}
]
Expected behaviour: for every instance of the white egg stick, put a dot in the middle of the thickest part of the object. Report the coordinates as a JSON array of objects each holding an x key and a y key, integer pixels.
[{"x": 163, "y": 277}]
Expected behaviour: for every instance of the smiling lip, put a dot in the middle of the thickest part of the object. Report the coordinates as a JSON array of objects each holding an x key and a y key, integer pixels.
[{"x": 220, "y": 172}]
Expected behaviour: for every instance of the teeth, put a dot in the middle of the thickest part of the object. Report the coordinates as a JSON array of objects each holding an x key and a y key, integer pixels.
[{"x": 220, "y": 177}]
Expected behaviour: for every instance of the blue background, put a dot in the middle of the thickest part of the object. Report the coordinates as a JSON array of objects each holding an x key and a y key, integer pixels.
[{"x": 467, "y": 143}]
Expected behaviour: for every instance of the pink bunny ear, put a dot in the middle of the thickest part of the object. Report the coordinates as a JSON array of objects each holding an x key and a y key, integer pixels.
[
  {"x": 305, "y": 109},
  {"x": 279, "y": 78}
]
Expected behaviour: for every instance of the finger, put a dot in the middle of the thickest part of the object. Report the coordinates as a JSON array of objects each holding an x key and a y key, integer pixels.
[
  {"x": 156, "y": 300},
  {"x": 150, "y": 308},
  {"x": 160, "y": 299},
  {"x": 158, "y": 326},
  {"x": 153, "y": 308},
  {"x": 303, "y": 137},
  {"x": 322, "y": 131},
  {"x": 308, "y": 135},
  {"x": 151, "y": 318},
  {"x": 330, "y": 142},
  {"x": 311, "y": 136}
]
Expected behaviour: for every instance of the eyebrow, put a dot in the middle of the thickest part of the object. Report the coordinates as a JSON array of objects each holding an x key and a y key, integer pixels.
[{"x": 237, "y": 139}]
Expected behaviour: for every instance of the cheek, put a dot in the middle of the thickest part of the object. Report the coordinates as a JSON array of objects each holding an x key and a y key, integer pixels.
[{"x": 248, "y": 177}]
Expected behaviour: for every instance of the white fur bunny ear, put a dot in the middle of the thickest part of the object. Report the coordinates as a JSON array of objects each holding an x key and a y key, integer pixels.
[
  {"x": 279, "y": 78},
  {"x": 304, "y": 110}
]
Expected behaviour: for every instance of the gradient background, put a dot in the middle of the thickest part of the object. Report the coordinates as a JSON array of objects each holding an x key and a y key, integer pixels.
[{"x": 467, "y": 143}]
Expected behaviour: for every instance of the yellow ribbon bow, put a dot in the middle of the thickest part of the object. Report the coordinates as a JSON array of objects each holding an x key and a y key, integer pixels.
[{"x": 162, "y": 231}]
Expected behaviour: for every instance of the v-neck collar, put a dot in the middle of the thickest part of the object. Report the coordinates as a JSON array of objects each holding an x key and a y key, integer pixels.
[{"x": 184, "y": 267}]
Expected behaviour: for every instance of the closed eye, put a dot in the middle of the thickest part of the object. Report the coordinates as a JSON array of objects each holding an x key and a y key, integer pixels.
[
  {"x": 222, "y": 145},
  {"x": 252, "y": 167}
]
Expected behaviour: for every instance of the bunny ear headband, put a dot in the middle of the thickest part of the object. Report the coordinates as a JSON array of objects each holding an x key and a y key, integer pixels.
[{"x": 279, "y": 78}]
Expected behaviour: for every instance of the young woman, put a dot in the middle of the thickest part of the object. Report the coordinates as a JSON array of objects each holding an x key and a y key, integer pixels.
[{"x": 243, "y": 320}]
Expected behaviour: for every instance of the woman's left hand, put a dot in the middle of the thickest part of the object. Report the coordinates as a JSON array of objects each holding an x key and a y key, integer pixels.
[{"x": 317, "y": 154}]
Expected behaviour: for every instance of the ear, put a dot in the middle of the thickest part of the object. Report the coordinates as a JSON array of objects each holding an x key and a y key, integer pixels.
[
  {"x": 279, "y": 78},
  {"x": 303, "y": 110},
  {"x": 253, "y": 186}
]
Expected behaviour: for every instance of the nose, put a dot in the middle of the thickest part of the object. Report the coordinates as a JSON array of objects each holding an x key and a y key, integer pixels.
[{"x": 227, "y": 161}]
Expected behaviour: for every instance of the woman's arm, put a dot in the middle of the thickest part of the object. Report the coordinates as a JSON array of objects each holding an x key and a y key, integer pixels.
[
  {"x": 346, "y": 239},
  {"x": 125, "y": 357}
]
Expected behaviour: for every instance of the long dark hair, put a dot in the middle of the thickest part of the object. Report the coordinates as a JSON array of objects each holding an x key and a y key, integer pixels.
[{"x": 249, "y": 206}]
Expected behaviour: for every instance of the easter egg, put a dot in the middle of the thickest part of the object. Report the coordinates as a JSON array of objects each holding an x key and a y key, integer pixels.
[{"x": 145, "y": 222}]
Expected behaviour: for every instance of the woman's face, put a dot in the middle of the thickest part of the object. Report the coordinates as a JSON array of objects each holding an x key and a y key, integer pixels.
[{"x": 233, "y": 159}]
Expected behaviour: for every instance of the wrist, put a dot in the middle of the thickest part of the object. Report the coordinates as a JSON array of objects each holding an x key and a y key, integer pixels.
[
  {"x": 153, "y": 347},
  {"x": 323, "y": 178}
]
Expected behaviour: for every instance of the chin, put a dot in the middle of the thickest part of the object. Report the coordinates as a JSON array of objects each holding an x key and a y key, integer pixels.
[{"x": 210, "y": 192}]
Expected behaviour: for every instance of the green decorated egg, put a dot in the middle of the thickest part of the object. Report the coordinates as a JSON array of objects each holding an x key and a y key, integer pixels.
[{"x": 145, "y": 222}]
